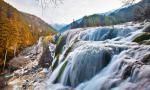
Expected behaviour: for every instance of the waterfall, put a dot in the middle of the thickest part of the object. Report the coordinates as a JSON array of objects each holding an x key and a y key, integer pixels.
[
  {"x": 103, "y": 33},
  {"x": 115, "y": 73},
  {"x": 101, "y": 58}
]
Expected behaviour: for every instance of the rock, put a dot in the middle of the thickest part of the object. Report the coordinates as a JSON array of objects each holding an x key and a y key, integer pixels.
[
  {"x": 146, "y": 42},
  {"x": 55, "y": 38},
  {"x": 146, "y": 59},
  {"x": 3, "y": 82},
  {"x": 25, "y": 84},
  {"x": 147, "y": 28},
  {"x": 46, "y": 58},
  {"x": 19, "y": 62},
  {"x": 127, "y": 72}
]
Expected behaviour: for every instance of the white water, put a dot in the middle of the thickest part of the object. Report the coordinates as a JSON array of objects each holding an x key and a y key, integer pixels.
[{"x": 102, "y": 59}]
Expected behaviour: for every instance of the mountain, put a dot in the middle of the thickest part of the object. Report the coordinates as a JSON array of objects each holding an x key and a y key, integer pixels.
[
  {"x": 37, "y": 26},
  {"x": 19, "y": 30},
  {"x": 58, "y": 26},
  {"x": 138, "y": 11}
]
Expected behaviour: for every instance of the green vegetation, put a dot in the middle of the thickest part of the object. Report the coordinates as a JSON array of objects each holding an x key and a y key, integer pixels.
[
  {"x": 142, "y": 37},
  {"x": 59, "y": 45},
  {"x": 61, "y": 71},
  {"x": 55, "y": 63}
]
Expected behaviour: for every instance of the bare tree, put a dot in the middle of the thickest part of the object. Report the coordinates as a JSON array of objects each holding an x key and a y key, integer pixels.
[
  {"x": 45, "y": 3},
  {"x": 127, "y": 2}
]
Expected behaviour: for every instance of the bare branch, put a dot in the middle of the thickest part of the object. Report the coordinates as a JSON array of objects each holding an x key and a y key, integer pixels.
[
  {"x": 127, "y": 2},
  {"x": 46, "y": 3}
]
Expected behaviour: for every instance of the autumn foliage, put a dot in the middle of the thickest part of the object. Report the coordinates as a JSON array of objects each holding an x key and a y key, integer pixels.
[{"x": 16, "y": 32}]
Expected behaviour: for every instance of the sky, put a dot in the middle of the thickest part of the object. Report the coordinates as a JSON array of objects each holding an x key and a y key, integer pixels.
[{"x": 67, "y": 11}]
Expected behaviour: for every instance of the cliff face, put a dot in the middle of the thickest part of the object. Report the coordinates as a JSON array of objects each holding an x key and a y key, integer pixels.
[{"x": 18, "y": 30}]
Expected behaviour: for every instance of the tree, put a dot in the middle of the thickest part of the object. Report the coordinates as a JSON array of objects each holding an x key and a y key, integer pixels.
[
  {"x": 9, "y": 14},
  {"x": 0, "y": 11},
  {"x": 127, "y": 2},
  {"x": 45, "y": 3}
]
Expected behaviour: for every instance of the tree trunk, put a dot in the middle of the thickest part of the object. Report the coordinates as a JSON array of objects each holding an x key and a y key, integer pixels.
[{"x": 5, "y": 60}]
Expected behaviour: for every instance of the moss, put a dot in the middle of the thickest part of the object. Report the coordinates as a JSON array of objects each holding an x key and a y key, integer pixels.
[
  {"x": 67, "y": 52},
  {"x": 55, "y": 64},
  {"x": 57, "y": 57},
  {"x": 60, "y": 44},
  {"x": 141, "y": 38},
  {"x": 60, "y": 72}
]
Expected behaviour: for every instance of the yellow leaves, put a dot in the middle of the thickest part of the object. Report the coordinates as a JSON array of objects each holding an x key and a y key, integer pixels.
[
  {"x": 14, "y": 33},
  {"x": 47, "y": 39},
  {"x": 19, "y": 30}
]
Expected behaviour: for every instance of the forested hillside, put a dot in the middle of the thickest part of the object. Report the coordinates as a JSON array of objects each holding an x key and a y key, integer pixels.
[
  {"x": 37, "y": 26},
  {"x": 18, "y": 30}
]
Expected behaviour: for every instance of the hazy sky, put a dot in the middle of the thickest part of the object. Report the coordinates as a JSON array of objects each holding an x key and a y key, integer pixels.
[{"x": 66, "y": 12}]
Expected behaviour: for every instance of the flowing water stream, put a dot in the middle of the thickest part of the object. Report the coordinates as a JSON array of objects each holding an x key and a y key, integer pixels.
[{"x": 102, "y": 58}]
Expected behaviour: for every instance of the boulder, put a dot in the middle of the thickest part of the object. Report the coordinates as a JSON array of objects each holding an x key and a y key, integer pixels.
[{"x": 46, "y": 58}]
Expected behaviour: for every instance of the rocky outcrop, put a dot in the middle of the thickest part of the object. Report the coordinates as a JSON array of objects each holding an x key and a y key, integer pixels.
[
  {"x": 31, "y": 66},
  {"x": 46, "y": 58}
]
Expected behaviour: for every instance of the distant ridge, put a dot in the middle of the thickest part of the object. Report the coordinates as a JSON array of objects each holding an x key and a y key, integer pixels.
[{"x": 138, "y": 11}]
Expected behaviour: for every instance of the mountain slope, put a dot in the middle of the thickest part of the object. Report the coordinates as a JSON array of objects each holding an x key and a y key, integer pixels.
[
  {"x": 58, "y": 26},
  {"x": 18, "y": 30},
  {"x": 138, "y": 11},
  {"x": 37, "y": 26}
]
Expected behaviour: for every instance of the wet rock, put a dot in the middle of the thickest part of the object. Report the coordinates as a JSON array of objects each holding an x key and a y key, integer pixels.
[
  {"x": 146, "y": 42},
  {"x": 127, "y": 72},
  {"x": 146, "y": 59},
  {"x": 147, "y": 28}
]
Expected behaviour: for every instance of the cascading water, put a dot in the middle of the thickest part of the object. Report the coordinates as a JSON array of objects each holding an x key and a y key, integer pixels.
[
  {"x": 102, "y": 58},
  {"x": 121, "y": 71}
]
